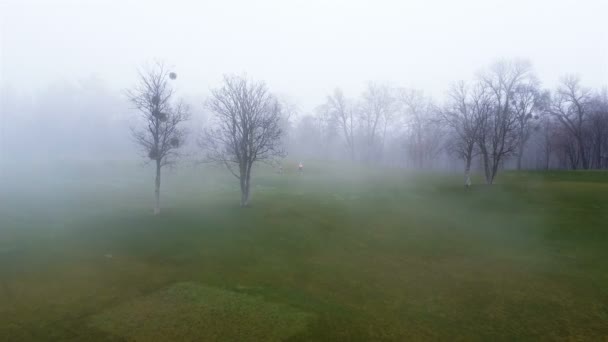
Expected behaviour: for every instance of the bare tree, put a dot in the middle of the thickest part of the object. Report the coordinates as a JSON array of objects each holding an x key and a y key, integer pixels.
[
  {"x": 160, "y": 133},
  {"x": 547, "y": 141},
  {"x": 423, "y": 131},
  {"x": 498, "y": 136},
  {"x": 377, "y": 107},
  {"x": 246, "y": 128},
  {"x": 309, "y": 138},
  {"x": 315, "y": 134},
  {"x": 567, "y": 149},
  {"x": 344, "y": 114},
  {"x": 528, "y": 103},
  {"x": 463, "y": 113},
  {"x": 570, "y": 106},
  {"x": 288, "y": 111},
  {"x": 598, "y": 131}
]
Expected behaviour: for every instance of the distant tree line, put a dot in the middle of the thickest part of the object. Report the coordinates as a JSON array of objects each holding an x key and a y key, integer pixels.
[{"x": 501, "y": 119}]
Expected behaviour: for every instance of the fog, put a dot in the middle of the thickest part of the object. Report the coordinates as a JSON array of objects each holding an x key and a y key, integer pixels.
[
  {"x": 64, "y": 65},
  {"x": 310, "y": 170},
  {"x": 303, "y": 49}
]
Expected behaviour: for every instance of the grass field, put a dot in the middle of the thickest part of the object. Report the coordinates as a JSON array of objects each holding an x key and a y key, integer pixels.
[{"x": 324, "y": 256}]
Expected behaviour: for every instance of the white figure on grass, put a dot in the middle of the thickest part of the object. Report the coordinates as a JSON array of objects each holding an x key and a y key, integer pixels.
[{"x": 300, "y": 168}]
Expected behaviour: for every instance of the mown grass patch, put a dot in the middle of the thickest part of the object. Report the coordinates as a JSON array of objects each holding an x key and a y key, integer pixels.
[{"x": 193, "y": 312}]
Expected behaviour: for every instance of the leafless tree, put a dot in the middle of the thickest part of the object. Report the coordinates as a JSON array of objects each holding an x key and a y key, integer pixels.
[
  {"x": 288, "y": 111},
  {"x": 567, "y": 149},
  {"x": 315, "y": 134},
  {"x": 463, "y": 113},
  {"x": 246, "y": 128},
  {"x": 498, "y": 136},
  {"x": 423, "y": 127},
  {"x": 548, "y": 133},
  {"x": 598, "y": 131},
  {"x": 376, "y": 108},
  {"x": 528, "y": 103},
  {"x": 160, "y": 133},
  {"x": 344, "y": 113},
  {"x": 570, "y": 105}
]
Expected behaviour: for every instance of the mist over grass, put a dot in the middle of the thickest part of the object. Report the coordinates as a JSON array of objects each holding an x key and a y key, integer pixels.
[
  {"x": 113, "y": 110},
  {"x": 364, "y": 253}
]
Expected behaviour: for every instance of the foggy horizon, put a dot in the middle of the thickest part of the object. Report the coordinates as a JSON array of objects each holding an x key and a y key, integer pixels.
[{"x": 302, "y": 49}]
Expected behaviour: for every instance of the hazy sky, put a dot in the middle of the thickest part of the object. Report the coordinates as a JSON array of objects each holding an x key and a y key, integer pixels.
[{"x": 302, "y": 49}]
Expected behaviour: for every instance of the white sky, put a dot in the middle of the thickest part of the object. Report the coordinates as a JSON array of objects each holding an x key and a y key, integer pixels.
[{"x": 301, "y": 48}]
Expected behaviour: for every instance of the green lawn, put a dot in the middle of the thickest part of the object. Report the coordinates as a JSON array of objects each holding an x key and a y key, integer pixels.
[{"x": 324, "y": 256}]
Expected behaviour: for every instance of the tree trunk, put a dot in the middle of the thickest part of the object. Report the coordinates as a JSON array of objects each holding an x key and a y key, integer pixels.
[
  {"x": 494, "y": 172},
  {"x": 583, "y": 154},
  {"x": 520, "y": 154},
  {"x": 245, "y": 197},
  {"x": 598, "y": 153},
  {"x": 245, "y": 186},
  {"x": 486, "y": 164},
  {"x": 467, "y": 172},
  {"x": 157, "y": 189},
  {"x": 243, "y": 191},
  {"x": 383, "y": 143},
  {"x": 573, "y": 160}
]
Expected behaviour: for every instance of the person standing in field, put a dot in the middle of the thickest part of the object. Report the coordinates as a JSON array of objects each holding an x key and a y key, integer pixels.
[{"x": 300, "y": 168}]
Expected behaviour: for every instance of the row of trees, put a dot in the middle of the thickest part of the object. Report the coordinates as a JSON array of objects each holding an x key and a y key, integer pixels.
[
  {"x": 497, "y": 116},
  {"x": 382, "y": 115},
  {"x": 502, "y": 118}
]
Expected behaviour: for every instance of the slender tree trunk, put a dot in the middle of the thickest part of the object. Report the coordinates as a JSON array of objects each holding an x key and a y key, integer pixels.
[
  {"x": 243, "y": 191},
  {"x": 419, "y": 149},
  {"x": 494, "y": 171},
  {"x": 583, "y": 154},
  {"x": 245, "y": 186},
  {"x": 467, "y": 171},
  {"x": 383, "y": 143},
  {"x": 520, "y": 154},
  {"x": 486, "y": 164},
  {"x": 598, "y": 154},
  {"x": 244, "y": 196},
  {"x": 157, "y": 189},
  {"x": 573, "y": 159}
]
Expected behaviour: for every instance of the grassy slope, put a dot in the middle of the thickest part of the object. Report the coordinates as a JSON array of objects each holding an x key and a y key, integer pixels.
[{"x": 371, "y": 255}]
